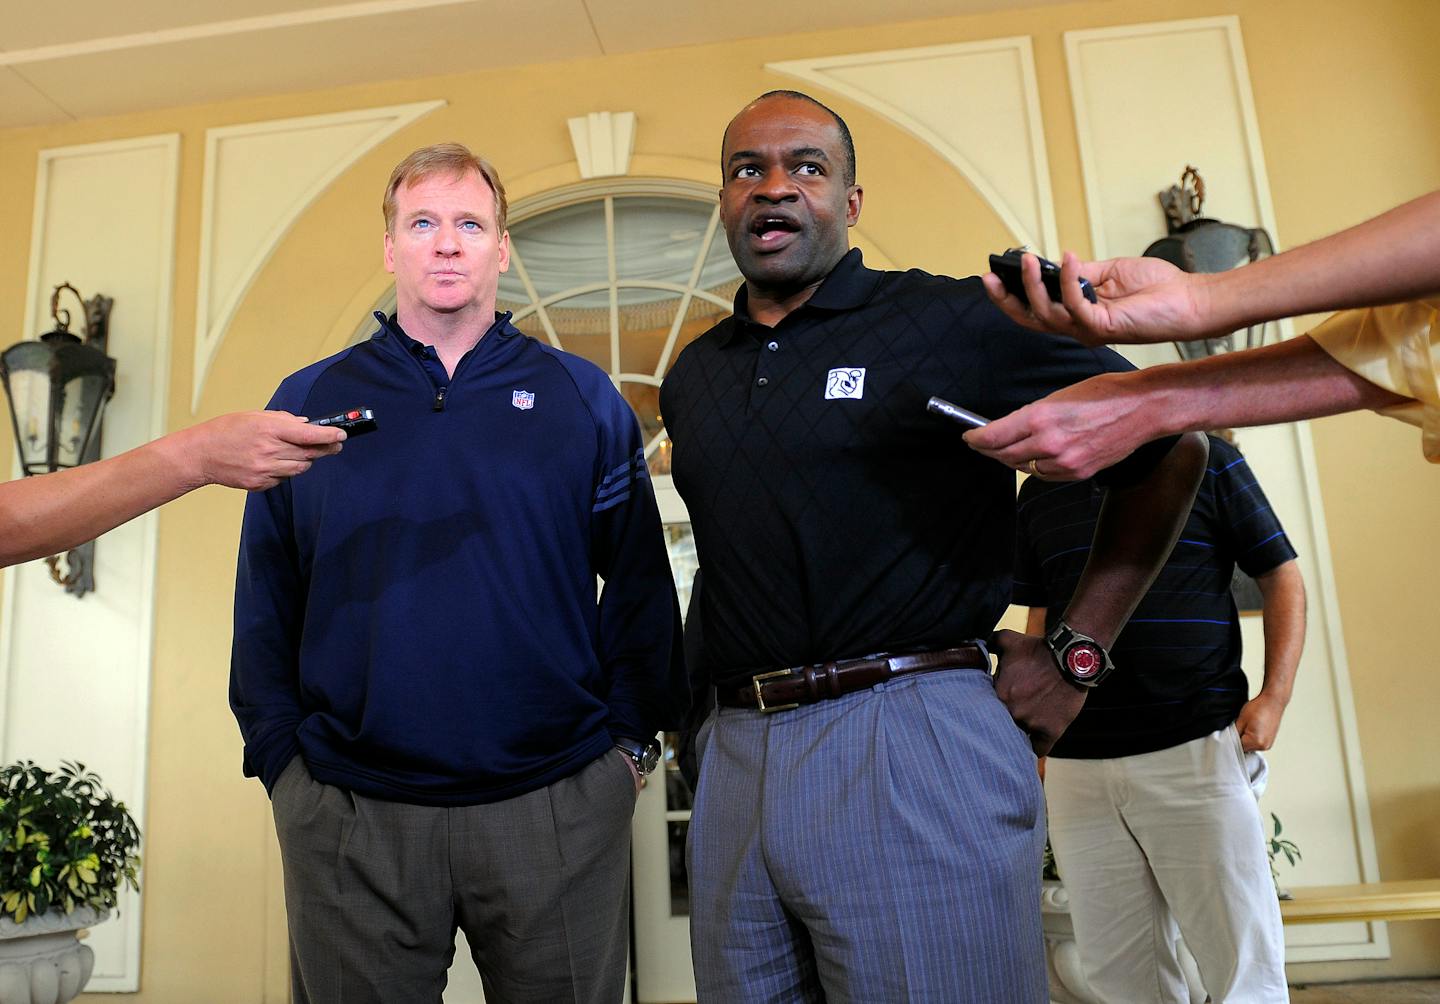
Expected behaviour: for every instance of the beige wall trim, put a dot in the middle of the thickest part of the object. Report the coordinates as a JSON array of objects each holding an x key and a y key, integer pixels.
[
  {"x": 991, "y": 132},
  {"x": 217, "y": 29},
  {"x": 336, "y": 142},
  {"x": 59, "y": 710},
  {"x": 1328, "y": 600},
  {"x": 603, "y": 143}
]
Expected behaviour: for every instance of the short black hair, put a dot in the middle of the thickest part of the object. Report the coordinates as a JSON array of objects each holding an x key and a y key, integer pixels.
[{"x": 846, "y": 142}]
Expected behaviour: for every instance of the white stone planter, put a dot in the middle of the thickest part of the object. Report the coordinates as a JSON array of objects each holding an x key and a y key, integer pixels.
[
  {"x": 42, "y": 960},
  {"x": 1067, "y": 981}
]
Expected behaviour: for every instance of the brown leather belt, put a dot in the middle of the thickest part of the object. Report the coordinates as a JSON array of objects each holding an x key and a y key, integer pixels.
[{"x": 790, "y": 688}]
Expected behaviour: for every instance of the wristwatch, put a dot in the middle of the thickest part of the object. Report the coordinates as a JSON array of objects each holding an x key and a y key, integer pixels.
[
  {"x": 1081, "y": 659},
  {"x": 645, "y": 756}
]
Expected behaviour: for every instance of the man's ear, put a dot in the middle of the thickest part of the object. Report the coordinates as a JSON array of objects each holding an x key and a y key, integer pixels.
[
  {"x": 504, "y": 251},
  {"x": 853, "y": 198},
  {"x": 389, "y": 253}
]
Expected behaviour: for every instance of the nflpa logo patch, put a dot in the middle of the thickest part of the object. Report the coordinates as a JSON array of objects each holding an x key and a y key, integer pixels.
[{"x": 845, "y": 383}]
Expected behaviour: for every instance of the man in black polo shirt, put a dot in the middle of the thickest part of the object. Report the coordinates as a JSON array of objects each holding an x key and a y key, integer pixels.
[
  {"x": 1152, "y": 816},
  {"x": 879, "y": 839}
]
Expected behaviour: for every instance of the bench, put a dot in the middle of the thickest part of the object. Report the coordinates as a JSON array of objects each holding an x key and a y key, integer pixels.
[{"x": 1416, "y": 899}]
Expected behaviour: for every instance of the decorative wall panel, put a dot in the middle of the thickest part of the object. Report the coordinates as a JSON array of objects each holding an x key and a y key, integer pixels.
[
  {"x": 1150, "y": 99},
  {"x": 75, "y": 674}
]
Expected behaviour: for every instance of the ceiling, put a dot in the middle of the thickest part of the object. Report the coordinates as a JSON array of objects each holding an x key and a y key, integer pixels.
[{"x": 88, "y": 58}]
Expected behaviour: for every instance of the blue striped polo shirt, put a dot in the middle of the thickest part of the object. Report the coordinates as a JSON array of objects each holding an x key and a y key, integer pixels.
[{"x": 1177, "y": 662}]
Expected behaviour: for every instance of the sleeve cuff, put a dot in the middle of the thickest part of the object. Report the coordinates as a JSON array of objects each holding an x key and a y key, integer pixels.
[
  {"x": 1396, "y": 347},
  {"x": 268, "y": 760}
]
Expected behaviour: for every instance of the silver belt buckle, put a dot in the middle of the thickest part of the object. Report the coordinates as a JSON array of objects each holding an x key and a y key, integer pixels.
[{"x": 760, "y": 697}]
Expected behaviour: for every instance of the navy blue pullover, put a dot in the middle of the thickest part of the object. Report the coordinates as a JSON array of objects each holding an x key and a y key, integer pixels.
[{"x": 418, "y": 615}]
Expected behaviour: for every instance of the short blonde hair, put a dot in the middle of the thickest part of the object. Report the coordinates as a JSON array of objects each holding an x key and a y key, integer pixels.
[{"x": 452, "y": 159}]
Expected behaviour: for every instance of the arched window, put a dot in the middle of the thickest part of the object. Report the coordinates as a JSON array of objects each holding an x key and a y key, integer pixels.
[{"x": 624, "y": 272}]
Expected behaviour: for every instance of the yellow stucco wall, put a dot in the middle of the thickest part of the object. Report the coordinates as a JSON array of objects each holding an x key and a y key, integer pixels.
[{"x": 1347, "y": 102}]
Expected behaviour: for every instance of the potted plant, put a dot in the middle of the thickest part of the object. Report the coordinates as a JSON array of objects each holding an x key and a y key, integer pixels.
[{"x": 67, "y": 846}]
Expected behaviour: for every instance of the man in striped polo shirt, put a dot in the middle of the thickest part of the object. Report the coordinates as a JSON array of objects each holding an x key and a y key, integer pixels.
[{"x": 1152, "y": 817}]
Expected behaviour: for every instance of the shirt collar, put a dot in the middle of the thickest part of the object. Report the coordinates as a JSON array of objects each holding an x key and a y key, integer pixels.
[
  {"x": 502, "y": 326},
  {"x": 849, "y": 285}
]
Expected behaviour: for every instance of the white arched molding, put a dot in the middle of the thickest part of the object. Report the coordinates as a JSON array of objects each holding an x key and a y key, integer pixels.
[
  {"x": 975, "y": 104},
  {"x": 259, "y": 178},
  {"x": 1150, "y": 99}
]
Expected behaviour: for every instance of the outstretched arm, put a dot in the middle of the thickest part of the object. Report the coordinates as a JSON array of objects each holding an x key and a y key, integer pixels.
[
  {"x": 1090, "y": 425},
  {"x": 1392, "y": 257},
  {"x": 252, "y": 450},
  {"x": 1137, "y": 528}
]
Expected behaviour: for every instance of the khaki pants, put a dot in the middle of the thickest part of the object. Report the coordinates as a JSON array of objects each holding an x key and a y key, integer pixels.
[
  {"x": 1166, "y": 841},
  {"x": 540, "y": 884}
]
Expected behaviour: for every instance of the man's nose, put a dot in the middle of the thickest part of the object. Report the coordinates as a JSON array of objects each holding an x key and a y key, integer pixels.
[
  {"x": 776, "y": 186},
  {"x": 448, "y": 242}
]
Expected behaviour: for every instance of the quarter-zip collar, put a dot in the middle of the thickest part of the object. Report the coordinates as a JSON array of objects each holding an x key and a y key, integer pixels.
[
  {"x": 419, "y": 350},
  {"x": 429, "y": 360}
]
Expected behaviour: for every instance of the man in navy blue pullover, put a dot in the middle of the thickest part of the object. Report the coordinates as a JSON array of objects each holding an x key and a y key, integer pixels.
[{"x": 451, "y": 728}]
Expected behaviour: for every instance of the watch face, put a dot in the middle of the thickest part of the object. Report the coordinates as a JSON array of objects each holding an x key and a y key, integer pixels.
[
  {"x": 650, "y": 758},
  {"x": 1083, "y": 661}
]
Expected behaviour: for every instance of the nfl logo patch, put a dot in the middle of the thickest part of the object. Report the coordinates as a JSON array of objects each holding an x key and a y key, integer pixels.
[{"x": 523, "y": 399}]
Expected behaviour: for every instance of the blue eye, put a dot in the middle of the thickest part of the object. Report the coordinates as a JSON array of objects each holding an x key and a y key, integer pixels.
[
  {"x": 470, "y": 225},
  {"x": 421, "y": 224}
]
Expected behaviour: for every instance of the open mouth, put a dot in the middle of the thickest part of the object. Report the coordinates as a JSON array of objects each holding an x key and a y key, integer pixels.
[{"x": 773, "y": 229}]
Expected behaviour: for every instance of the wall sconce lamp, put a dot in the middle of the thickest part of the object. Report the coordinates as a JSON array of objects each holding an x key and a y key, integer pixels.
[
  {"x": 1198, "y": 244},
  {"x": 58, "y": 387}
]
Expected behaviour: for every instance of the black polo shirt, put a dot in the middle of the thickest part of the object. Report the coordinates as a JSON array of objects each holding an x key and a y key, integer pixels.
[
  {"x": 834, "y": 517},
  {"x": 1177, "y": 663}
]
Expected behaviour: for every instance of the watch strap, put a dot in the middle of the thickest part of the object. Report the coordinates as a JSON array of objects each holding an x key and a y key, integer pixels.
[
  {"x": 1079, "y": 658},
  {"x": 644, "y": 755}
]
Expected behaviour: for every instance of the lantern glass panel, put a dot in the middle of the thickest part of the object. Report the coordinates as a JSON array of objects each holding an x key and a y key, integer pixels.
[
  {"x": 30, "y": 397},
  {"x": 82, "y": 397}
]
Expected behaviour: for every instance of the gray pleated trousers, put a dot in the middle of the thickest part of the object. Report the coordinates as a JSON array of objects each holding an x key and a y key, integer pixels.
[
  {"x": 540, "y": 883},
  {"x": 879, "y": 848}
]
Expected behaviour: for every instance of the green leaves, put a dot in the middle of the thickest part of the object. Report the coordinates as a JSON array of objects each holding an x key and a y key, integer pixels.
[
  {"x": 64, "y": 841},
  {"x": 1276, "y": 846}
]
